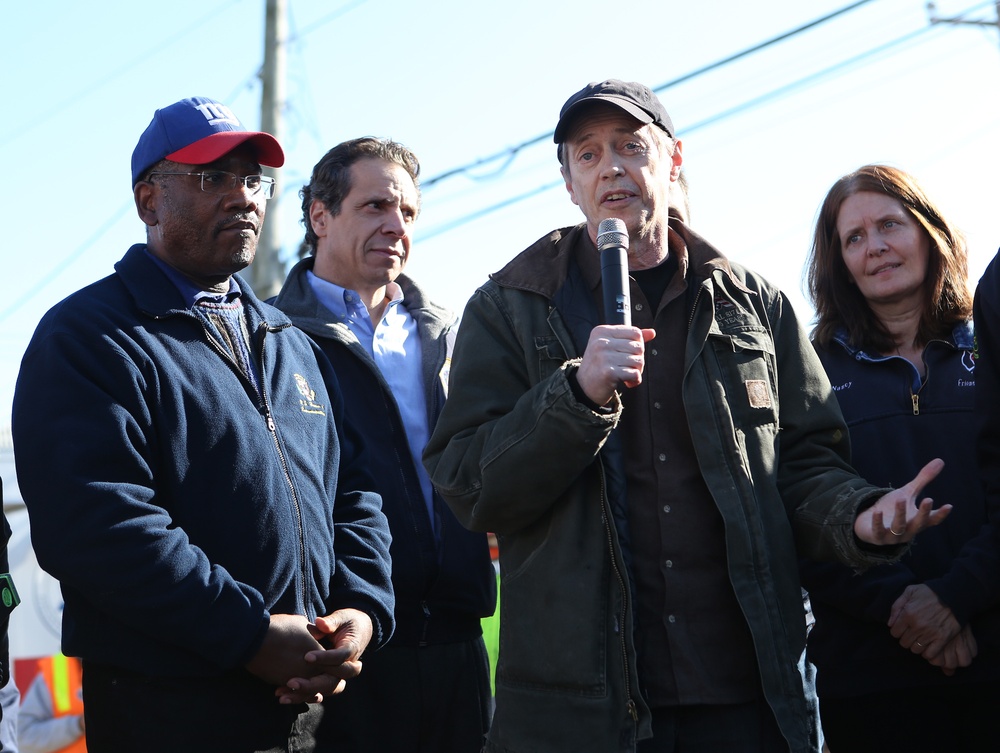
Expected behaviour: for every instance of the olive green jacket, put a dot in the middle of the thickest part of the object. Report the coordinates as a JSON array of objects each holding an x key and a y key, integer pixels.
[{"x": 515, "y": 453}]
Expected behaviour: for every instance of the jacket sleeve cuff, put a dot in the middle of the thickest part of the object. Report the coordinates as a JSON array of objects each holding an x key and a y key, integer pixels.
[{"x": 581, "y": 396}]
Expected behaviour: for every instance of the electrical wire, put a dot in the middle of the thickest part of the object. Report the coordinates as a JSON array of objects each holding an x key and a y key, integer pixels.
[
  {"x": 332, "y": 16},
  {"x": 511, "y": 152},
  {"x": 64, "y": 264},
  {"x": 724, "y": 115},
  {"x": 508, "y": 154},
  {"x": 85, "y": 92}
]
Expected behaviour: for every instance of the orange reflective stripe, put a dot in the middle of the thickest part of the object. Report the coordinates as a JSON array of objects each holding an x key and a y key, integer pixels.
[
  {"x": 63, "y": 677},
  {"x": 63, "y": 680}
]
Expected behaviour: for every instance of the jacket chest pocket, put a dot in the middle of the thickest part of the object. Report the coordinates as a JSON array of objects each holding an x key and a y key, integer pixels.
[
  {"x": 748, "y": 373},
  {"x": 550, "y": 355}
]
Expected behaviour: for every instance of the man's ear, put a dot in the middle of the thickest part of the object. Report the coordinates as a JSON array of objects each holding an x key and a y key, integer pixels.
[
  {"x": 677, "y": 159},
  {"x": 146, "y": 202},
  {"x": 318, "y": 217}
]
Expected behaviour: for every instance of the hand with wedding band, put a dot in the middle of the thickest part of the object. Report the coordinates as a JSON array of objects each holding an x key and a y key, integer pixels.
[
  {"x": 959, "y": 652},
  {"x": 921, "y": 623},
  {"x": 896, "y": 518}
]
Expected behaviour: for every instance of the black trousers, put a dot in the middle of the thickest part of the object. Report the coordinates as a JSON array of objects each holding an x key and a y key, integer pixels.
[
  {"x": 431, "y": 699},
  {"x": 739, "y": 728},
  {"x": 128, "y": 712},
  {"x": 952, "y": 719}
]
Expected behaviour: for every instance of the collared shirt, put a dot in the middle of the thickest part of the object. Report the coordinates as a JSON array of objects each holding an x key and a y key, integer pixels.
[
  {"x": 694, "y": 645},
  {"x": 688, "y": 614},
  {"x": 223, "y": 316},
  {"x": 188, "y": 290},
  {"x": 394, "y": 345}
]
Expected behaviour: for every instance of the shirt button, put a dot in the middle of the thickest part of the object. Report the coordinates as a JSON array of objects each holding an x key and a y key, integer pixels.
[
  {"x": 656, "y": 405},
  {"x": 654, "y": 351},
  {"x": 662, "y": 457},
  {"x": 638, "y": 307},
  {"x": 666, "y": 508},
  {"x": 669, "y": 563},
  {"x": 671, "y": 619}
]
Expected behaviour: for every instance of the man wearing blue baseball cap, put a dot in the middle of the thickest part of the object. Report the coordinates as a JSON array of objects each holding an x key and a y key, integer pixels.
[{"x": 188, "y": 476}]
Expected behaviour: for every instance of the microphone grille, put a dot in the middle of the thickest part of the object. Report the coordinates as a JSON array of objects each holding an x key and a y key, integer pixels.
[{"x": 611, "y": 233}]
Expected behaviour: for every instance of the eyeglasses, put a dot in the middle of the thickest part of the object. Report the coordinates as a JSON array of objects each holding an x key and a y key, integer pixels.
[{"x": 219, "y": 182}]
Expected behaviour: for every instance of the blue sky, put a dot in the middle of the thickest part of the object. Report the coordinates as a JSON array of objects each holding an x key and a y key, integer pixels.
[{"x": 459, "y": 82}]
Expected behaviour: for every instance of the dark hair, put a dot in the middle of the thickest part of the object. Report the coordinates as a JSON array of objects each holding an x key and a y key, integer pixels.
[
  {"x": 839, "y": 302},
  {"x": 331, "y": 177}
]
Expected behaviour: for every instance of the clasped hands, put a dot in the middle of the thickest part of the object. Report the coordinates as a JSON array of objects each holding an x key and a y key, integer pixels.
[
  {"x": 925, "y": 626},
  {"x": 615, "y": 357},
  {"x": 918, "y": 619},
  {"x": 307, "y": 661}
]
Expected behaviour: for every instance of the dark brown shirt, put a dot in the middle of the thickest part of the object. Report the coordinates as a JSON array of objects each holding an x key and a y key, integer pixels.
[{"x": 694, "y": 645}]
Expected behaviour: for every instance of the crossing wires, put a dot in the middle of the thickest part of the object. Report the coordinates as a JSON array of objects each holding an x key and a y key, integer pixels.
[{"x": 503, "y": 159}]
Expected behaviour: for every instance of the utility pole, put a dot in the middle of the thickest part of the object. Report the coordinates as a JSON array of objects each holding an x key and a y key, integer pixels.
[
  {"x": 934, "y": 19},
  {"x": 266, "y": 273}
]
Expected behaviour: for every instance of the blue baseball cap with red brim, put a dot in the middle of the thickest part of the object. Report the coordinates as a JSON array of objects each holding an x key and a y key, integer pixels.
[{"x": 197, "y": 131}]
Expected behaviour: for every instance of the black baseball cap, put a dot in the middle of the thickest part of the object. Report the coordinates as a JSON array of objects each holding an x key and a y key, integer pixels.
[{"x": 635, "y": 99}]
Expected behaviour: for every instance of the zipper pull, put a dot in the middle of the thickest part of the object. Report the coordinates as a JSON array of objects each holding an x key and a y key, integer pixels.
[
  {"x": 632, "y": 711},
  {"x": 916, "y": 404},
  {"x": 270, "y": 422}
]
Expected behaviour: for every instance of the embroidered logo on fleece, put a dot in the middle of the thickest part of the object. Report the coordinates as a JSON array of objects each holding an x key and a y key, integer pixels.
[
  {"x": 308, "y": 404},
  {"x": 758, "y": 393},
  {"x": 969, "y": 360}
]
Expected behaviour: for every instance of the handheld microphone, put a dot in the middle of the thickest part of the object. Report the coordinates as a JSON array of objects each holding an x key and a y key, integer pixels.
[{"x": 612, "y": 242}]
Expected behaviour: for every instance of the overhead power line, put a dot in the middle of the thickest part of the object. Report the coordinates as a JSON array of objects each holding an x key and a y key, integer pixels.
[
  {"x": 725, "y": 114},
  {"x": 64, "y": 264},
  {"x": 935, "y": 19},
  {"x": 508, "y": 154},
  {"x": 805, "y": 80},
  {"x": 511, "y": 152},
  {"x": 129, "y": 67},
  {"x": 332, "y": 16}
]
